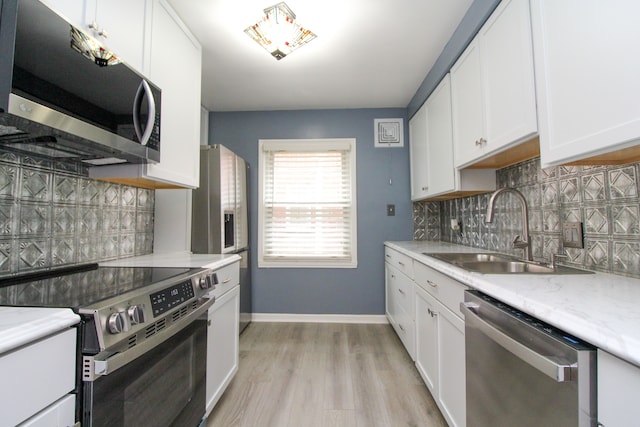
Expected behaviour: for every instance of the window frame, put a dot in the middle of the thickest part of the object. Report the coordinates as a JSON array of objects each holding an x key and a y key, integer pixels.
[{"x": 299, "y": 145}]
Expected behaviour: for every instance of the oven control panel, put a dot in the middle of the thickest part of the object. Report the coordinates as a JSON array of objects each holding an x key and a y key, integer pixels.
[{"x": 168, "y": 298}]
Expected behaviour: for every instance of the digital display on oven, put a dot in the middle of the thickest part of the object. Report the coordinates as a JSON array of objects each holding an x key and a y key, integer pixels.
[{"x": 168, "y": 298}]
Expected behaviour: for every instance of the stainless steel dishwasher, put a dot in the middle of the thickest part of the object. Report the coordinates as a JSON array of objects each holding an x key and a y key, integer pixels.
[{"x": 523, "y": 372}]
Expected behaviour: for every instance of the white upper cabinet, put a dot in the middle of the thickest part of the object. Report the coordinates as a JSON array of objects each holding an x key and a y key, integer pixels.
[
  {"x": 175, "y": 65},
  {"x": 120, "y": 25},
  {"x": 587, "y": 83},
  {"x": 493, "y": 86},
  {"x": 433, "y": 173},
  {"x": 419, "y": 154},
  {"x": 440, "y": 140}
]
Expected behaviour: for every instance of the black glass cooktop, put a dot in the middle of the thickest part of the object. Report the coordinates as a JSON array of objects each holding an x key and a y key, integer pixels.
[{"x": 73, "y": 289}]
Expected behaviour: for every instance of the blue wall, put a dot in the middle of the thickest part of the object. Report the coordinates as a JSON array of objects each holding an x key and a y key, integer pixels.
[{"x": 326, "y": 290}]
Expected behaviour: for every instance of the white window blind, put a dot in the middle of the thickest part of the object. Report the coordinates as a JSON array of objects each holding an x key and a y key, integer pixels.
[{"x": 308, "y": 203}]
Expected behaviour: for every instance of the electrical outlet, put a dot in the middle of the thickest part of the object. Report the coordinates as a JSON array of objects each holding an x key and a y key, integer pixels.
[
  {"x": 391, "y": 210},
  {"x": 572, "y": 235}
]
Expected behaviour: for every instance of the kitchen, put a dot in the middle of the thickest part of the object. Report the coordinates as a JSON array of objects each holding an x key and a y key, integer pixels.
[{"x": 383, "y": 178}]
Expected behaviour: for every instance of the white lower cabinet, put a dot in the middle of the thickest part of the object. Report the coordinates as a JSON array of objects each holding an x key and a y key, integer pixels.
[
  {"x": 60, "y": 414},
  {"x": 222, "y": 344},
  {"x": 451, "y": 367},
  {"x": 440, "y": 348},
  {"x": 399, "y": 292},
  {"x": 618, "y": 391},
  {"x": 426, "y": 338},
  {"x": 35, "y": 377}
]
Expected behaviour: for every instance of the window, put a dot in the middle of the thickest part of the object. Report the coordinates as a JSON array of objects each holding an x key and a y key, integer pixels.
[{"x": 307, "y": 203}]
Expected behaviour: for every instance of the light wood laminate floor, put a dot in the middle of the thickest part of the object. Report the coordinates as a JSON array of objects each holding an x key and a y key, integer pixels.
[{"x": 324, "y": 375}]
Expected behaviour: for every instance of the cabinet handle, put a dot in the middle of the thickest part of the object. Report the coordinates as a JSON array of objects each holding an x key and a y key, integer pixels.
[
  {"x": 401, "y": 263},
  {"x": 431, "y": 312},
  {"x": 433, "y": 285},
  {"x": 480, "y": 142},
  {"x": 401, "y": 327},
  {"x": 388, "y": 256},
  {"x": 393, "y": 276},
  {"x": 401, "y": 291},
  {"x": 425, "y": 188},
  {"x": 226, "y": 280}
]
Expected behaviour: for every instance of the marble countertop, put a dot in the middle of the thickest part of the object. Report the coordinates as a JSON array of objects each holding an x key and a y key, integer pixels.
[
  {"x": 175, "y": 259},
  {"x": 22, "y": 325},
  {"x": 599, "y": 308}
]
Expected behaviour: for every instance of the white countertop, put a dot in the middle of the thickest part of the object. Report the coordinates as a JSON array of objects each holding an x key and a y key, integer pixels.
[
  {"x": 599, "y": 308},
  {"x": 22, "y": 325},
  {"x": 175, "y": 259}
]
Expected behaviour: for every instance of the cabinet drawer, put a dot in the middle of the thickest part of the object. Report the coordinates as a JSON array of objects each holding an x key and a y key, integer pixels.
[
  {"x": 401, "y": 290},
  {"x": 400, "y": 261},
  {"x": 405, "y": 328},
  {"x": 446, "y": 290},
  {"x": 39, "y": 374},
  {"x": 228, "y": 277}
]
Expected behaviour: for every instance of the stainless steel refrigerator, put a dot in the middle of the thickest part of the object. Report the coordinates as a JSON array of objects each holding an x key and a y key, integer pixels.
[{"x": 220, "y": 214}]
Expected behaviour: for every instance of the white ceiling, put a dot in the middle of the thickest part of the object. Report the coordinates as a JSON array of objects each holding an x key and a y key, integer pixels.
[{"x": 368, "y": 53}]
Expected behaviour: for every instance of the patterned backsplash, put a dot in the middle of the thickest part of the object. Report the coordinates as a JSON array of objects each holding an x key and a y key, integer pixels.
[
  {"x": 604, "y": 198},
  {"x": 52, "y": 215}
]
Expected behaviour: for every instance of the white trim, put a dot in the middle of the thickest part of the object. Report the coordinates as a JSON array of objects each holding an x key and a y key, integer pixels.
[{"x": 319, "y": 318}]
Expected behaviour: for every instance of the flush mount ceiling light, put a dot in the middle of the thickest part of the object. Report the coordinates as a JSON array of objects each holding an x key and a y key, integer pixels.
[
  {"x": 91, "y": 49},
  {"x": 278, "y": 32}
]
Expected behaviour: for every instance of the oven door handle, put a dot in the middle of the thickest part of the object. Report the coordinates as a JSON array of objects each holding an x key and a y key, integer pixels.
[
  {"x": 106, "y": 362},
  {"x": 556, "y": 369}
]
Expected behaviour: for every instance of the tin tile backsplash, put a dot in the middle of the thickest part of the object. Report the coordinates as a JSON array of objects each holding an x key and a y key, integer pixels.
[
  {"x": 52, "y": 215},
  {"x": 604, "y": 198}
]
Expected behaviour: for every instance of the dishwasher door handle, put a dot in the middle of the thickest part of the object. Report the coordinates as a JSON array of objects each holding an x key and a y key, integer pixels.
[{"x": 560, "y": 372}]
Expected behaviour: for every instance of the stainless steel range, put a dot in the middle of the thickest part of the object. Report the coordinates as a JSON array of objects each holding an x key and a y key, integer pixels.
[{"x": 142, "y": 339}]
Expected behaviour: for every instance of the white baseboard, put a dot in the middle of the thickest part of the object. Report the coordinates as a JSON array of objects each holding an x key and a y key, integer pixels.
[{"x": 319, "y": 318}]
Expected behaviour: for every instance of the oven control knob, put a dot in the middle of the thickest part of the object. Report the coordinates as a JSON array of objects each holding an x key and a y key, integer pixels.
[
  {"x": 118, "y": 322},
  {"x": 204, "y": 282},
  {"x": 136, "y": 314}
]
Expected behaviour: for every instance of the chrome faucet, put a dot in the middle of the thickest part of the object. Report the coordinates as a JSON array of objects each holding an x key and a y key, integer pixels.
[{"x": 517, "y": 242}]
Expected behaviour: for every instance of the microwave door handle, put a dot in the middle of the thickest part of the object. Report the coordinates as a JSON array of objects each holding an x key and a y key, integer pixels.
[
  {"x": 555, "y": 369},
  {"x": 144, "y": 89}
]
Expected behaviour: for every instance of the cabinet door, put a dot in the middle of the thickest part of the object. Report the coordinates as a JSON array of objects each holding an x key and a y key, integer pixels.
[
  {"x": 440, "y": 169},
  {"x": 586, "y": 77},
  {"x": 74, "y": 11},
  {"x": 507, "y": 74},
  {"x": 618, "y": 391},
  {"x": 176, "y": 67},
  {"x": 120, "y": 25},
  {"x": 451, "y": 369},
  {"x": 467, "y": 106},
  {"x": 388, "y": 292},
  {"x": 222, "y": 345},
  {"x": 123, "y": 23},
  {"x": 418, "y": 153},
  {"x": 427, "y": 340}
]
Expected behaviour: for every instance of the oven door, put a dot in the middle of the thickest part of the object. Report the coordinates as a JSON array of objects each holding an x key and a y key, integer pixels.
[{"x": 163, "y": 387}]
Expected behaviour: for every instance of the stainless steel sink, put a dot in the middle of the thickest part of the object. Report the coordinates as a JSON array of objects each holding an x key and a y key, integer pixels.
[
  {"x": 488, "y": 263},
  {"x": 455, "y": 258}
]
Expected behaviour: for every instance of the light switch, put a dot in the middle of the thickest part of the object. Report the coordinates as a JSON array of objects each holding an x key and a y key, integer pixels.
[
  {"x": 572, "y": 235},
  {"x": 391, "y": 210}
]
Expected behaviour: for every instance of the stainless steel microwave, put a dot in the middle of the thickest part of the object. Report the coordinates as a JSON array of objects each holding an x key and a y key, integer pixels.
[{"x": 65, "y": 96}]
